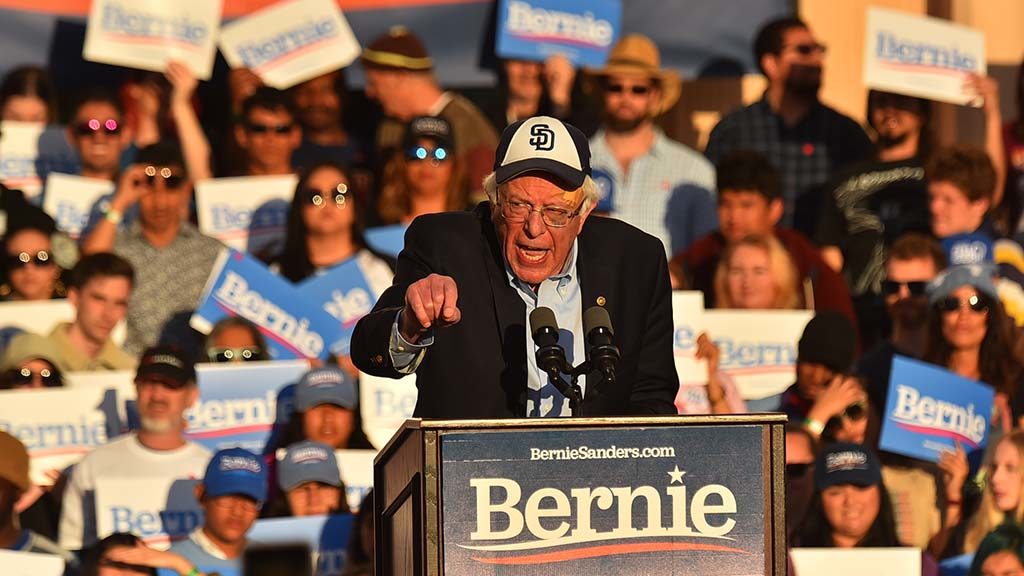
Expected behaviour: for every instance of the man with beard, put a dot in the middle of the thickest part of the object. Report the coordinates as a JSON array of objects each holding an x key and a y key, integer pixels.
[
  {"x": 916, "y": 487},
  {"x": 170, "y": 257},
  {"x": 165, "y": 386},
  {"x": 318, "y": 105},
  {"x": 646, "y": 179},
  {"x": 805, "y": 139}
]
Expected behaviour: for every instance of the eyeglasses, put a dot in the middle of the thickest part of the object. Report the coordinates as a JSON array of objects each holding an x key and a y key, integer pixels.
[
  {"x": 245, "y": 354},
  {"x": 171, "y": 180},
  {"x": 20, "y": 377},
  {"x": 257, "y": 128},
  {"x": 798, "y": 470},
  {"x": 22, "y": 259},
  {"x": 976, "y": 303},
  {"x": 553, "y": 216},
  {"x": 318, "y": 197},
  {"x": 94, "y": 125},
  {"x": 916, "y": 288},
  {"x": 854, "y": 412},
  {"x": 439, "y": 154},
  {"x": 636, "y": 89},
  {"x": 808, "y": 49}
]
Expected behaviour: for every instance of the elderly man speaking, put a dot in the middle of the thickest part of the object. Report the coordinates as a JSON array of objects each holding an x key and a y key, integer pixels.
[{"x": 458, "y": 312}]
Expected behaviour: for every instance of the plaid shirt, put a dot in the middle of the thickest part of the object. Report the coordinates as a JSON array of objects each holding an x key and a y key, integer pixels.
[
  {"x": 806, "y": 154},
  {"x": 168, "y": 284}
]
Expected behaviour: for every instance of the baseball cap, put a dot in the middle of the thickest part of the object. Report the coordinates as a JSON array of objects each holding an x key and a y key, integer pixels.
[
  {"x": 977, "y": 276},
  {"x": 845, "y": 463},
  {"x": 543, "y": 144},
  {"x": 435, "y": 128},
  {"x": 325, "y": 385},
  {"x": 167, "y": 364},
  {"x": 14, "y": 461},
  {"x": 308, "y": 461},
  {"x": 236, "y": 471}
]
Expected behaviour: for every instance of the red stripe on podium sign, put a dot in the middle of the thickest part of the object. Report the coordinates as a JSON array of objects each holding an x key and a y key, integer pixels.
[{"x": 609, "y": 550}]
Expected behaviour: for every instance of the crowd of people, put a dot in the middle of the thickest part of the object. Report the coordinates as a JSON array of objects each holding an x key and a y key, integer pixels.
[{"x": 791, "y": 206}]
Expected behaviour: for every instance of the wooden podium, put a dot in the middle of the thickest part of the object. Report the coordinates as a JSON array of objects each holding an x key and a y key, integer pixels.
[{"x": 651, "y": 495}]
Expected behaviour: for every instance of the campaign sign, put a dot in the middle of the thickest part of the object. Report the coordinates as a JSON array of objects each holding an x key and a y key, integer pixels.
[
  {"x": 29, "y": 151},
  {"x": 344, "y": 293},
  {"x": 856, "y": 561},
  {"x": 123, "y": 384},
  {"x": 237, "y": 402},
  {"x": 758, "y": 347},
  {"x": 75, "y": 201},
  {"x": 147, "y": 34},
  {"x": 387, "y": 239},
  {"x": 290, "y": 42},
  {"x": 929, "y": 409},
  {"x": 326, "y": 536},
  {"x": 247, "y": 213},
  {"x": 965, "y": 249},
  {"x": 386, "y": 404},
  {"x": 582, "y": 31},
  {"x": 688, "y": 319},
  {"x": 356, "y": 469},
  {"x": 58, "y": 426},
  {"x": 600, "y": 501},
  {"x": 921, "y": 56},
  {"x": 30, "y": 564},
  {"x": 157, "y": 509},
  {"x": 240, "y": 285}
]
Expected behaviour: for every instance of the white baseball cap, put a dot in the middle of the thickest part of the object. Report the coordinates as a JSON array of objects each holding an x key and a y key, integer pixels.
[{"x": 543, "y": 144}]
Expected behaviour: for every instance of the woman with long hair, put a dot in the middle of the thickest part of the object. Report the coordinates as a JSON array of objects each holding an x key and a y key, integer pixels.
[
  {"x": 27, "y": 95},
  {"x": 425, "y": 176},
  {"x": 1001, "y": 499},
  {"x": 1001, "y": 552},
  {"x": 30, "y": 269},
  {"x": 756, "y": 272}
]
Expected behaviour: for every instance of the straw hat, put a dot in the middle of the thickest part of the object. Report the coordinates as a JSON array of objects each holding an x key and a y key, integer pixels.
[{"x": 636, "y": 54}]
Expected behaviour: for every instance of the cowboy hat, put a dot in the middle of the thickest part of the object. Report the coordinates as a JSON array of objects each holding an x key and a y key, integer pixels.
[{"x": 636, "y": 54}]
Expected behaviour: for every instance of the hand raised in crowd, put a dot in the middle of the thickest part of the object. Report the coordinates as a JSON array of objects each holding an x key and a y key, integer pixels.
[
  {"x": 841, "y": 392},
  {"x": 183, "y": 83},
  {"x": 242, "y": 82},
  {"x": 130, "y": 187},
  {"x": 1002, "y": 414},
  {"x": 142, "y": 555},
  {"x": 559, "y": 74},
  {"x": 953, "y": 464},
  {"x": 984, "y": 88},
  {"x": 429, "y": 302},
  {"x": 707, "y": 350}
]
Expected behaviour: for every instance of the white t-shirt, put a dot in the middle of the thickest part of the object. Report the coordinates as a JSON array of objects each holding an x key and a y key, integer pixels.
[{"x": 124, "y": 457}]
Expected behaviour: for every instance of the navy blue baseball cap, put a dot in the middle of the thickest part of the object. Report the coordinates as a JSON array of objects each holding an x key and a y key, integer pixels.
[
  {"x": 543, "y": 144},
  {"x": 325, "y": 385},
  {"x": 236, "y": 471},
  {"x": 845, "y": 463},
  {"x": 308, "y": 461}
]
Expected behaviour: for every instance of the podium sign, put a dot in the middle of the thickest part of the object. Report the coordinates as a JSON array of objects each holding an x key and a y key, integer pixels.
[{"x": 583, "y": 496}]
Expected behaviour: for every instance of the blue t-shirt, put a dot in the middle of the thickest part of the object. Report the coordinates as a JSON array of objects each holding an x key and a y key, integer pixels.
[{"x": 200, "y": 558}]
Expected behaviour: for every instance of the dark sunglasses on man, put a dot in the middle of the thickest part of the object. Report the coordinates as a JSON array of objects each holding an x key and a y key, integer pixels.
[
  {"x": 95, "y": 125},
  {"x": 244, "y": 354},
  {"x": 319, "y": 197},
  {"x": 258, "y": 128},
  {"x": 808, "y": 49},
  {"x": 22, "y": 259},
  {"x": 635, "y": 89},
  {"x": 916, "y": 287}
]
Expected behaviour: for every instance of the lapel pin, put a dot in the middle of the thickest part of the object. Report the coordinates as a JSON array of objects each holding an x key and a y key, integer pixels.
[{"x": 601, "y": 300}]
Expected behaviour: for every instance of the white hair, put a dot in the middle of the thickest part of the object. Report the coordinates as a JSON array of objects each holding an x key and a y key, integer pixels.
[{"x": 589, "y": 189}]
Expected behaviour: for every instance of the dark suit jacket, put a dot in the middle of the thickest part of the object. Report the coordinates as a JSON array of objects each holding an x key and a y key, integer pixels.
[{"x": 477, "y": 368}]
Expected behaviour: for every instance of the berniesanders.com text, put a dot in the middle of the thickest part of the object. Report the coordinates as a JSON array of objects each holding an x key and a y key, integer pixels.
[{"x": 604, "y": 453}]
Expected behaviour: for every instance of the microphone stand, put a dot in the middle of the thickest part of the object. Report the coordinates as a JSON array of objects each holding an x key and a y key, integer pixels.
[{"x": 571, "y": 389}]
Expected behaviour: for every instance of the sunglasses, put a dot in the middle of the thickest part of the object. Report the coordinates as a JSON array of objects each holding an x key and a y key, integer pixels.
[
  {"x": 636, "y": 89},
  {"x": 245, "y": 354},
  {"x": 891, "y": 287},
  {"x": 439, "y": 154},
  {"x": 94, "y": 125},
  {"x": 976, "y": 303},
  {"x": 22, "y": 259},
  {"x": 318, "y": 197},
  {"x": 808, "y": 49},
  {"x": 20, "y": 377},
  {"x": 856, "y": 411},
  {"x": 798, "y": 470},
  {"x": 171, "y": 180},
  {"x": 257, "y": 128}
]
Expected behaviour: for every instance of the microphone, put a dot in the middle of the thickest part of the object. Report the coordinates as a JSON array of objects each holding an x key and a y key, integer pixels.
[
  {"x": 550, "y": 356},
  {"x": 598, "y": 329}
]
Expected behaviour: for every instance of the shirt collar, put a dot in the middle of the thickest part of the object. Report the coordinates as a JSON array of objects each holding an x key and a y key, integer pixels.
[{"x": 198, "y": 537}]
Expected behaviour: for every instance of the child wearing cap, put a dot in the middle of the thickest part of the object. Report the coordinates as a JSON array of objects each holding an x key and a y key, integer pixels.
[
  {"x": 325, "y": 410},
  {"x": 309, "y": 481},
  {"x": 231, "y": 494},
  {"x": 851, "y": 507}
]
